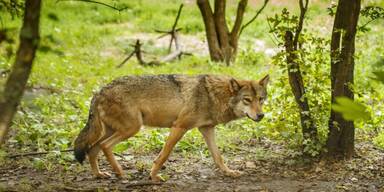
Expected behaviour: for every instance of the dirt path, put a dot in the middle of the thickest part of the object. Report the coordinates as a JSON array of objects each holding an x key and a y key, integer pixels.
[{"x": 186, "y": 172}]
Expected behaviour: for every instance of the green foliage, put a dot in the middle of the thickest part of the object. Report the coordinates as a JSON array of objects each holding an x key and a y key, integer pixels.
[
  {"x": 373, "y": 12},
  {"x": 370, "y": 13},
  {"x": 13, "y": 7},
  {"x": 351, "y": 110},
  {"x": 379, "y": 71},
  {"x": 379, "y": 140},
  {"x": 313, "y": 60},
  {"x": 281, "y": 23}
]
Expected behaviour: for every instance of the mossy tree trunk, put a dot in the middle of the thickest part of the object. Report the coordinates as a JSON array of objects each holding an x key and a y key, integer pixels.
[
  {"x": 296, "y": 82},
  {"x": 17, "y": 80},
  {"x": 342, "y": 132}
]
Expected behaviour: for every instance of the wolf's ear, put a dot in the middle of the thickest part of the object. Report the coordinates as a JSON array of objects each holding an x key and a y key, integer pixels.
[
  {"x": 264, "y": 81},
  {"x": 234, "y": 85}
]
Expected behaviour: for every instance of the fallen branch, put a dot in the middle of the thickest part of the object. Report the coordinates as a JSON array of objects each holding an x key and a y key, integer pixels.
[
  {"x": 171, "y": 56},
  {"x": 136, "y": 51},
  {"x": 97, "y": 2},
  {"x": 126, "y": 59},
  {"x": 46, "y": 152},
  {"x": 36, "y": 153},
  {"x": 173, "y": 31},
  {"x": 143, "y": 183}
]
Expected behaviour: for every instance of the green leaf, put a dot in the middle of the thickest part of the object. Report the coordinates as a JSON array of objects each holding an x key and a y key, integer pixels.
[
  {"x": 379, "y": 76},
  {"x": 351, "y": 110}
]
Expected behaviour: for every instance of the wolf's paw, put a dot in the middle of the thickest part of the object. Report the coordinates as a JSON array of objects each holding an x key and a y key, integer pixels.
[
  {"x": 120, "y": 175},
  {"x": 157, "y": 178},
  {"x": 103, "y": 175},
  {"x": 233, "y": 173}
]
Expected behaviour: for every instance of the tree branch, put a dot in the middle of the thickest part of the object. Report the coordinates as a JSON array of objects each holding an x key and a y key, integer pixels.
[
  {"x": 177, "y": 17},
  {"x": 210, "y": 29},
  {"x": 126, "y": 59},
  {"x": 136, "y": 51},
  {"x": 239, "y": 18},
  {"x": 221, "y": 24},
  {"x": 303, "y": 10},
  {"x": 21, "y": 69},
  {"x": 97, "y": 2},
  {"x": 173, "y": 30},
  {"x": 35, "y": 153},
  {"x": 254, "y": 17}
]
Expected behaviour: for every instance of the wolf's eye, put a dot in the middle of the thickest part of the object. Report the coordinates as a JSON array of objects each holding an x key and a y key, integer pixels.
[{"x": 247, "y": 100}]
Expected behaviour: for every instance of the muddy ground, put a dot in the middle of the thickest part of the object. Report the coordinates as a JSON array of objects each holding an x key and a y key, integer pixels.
[{"x": 275, "y": 170}]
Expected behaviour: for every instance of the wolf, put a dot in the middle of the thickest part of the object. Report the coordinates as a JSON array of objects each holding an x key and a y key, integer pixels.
[{"x": 180, "y": 102}]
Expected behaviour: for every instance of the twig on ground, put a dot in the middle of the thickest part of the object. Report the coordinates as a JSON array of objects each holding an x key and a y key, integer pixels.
[
  {"x": 173, "y": 31},
  {"x": 46, "y": 152},
  {"x": 167, "y": 58},
  {"x": 36, "y": 153},
  {"x": 143, "y": 183},
  {"x": 136, "y": 51}
]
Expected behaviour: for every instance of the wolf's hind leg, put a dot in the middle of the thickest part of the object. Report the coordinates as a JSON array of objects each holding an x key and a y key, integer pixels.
[
  {"x": 209, "y": 137},
  {"x": 108, "y": 144}
]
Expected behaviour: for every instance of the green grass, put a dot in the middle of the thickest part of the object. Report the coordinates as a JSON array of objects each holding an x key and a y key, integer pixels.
[{"x": 79, "y": 52}]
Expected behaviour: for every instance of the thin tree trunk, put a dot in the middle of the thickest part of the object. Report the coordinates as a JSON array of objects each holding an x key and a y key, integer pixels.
[
  {"x": 342, "y": 132},
  {"x": 296, "y": 82},
  {"x": 297, "y": 86},
  {"x": 16, "y": 82}
]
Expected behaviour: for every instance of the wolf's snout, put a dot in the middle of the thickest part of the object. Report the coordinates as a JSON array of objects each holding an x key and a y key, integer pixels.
[{"x": 258, "y": 117}]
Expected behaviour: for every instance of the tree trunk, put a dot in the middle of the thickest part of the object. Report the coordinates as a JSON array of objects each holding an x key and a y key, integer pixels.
[
  {"x": 342, "y": 132},
  {"x": 15, "y": 85},
  {"x": 295, "y": 77},
  {"x": 222, "y": 43},
  {"x": 297, "y": 85}
]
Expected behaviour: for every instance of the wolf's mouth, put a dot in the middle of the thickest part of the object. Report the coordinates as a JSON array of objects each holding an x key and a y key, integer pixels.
[{"x": 256, "y": 119}]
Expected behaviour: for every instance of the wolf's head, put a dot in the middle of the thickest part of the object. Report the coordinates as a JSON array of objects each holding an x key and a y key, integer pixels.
[{"x": 249, "y": 97}]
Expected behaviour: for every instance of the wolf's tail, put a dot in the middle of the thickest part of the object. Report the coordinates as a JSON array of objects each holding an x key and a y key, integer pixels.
[{"x": 90, "y": 134}]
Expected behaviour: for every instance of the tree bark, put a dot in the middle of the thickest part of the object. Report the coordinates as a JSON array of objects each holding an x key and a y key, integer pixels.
[
  {"x": 297, "y": 86},
  {"x": 222, "y": 42},
  {"x": 16, "y": 82},
  {"x": 296, "y": 82},
  {"x": 342, "y": 132},
  {"x": 210, "y": 30}
]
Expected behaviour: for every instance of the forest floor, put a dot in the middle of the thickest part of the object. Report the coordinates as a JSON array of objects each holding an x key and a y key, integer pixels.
[{"x": 275, "y": 171}]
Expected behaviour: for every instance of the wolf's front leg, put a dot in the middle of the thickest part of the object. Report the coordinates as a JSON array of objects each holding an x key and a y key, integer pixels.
[
  {"x": 175, "y": 135},
  {"x": 209, "y": 137}
]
